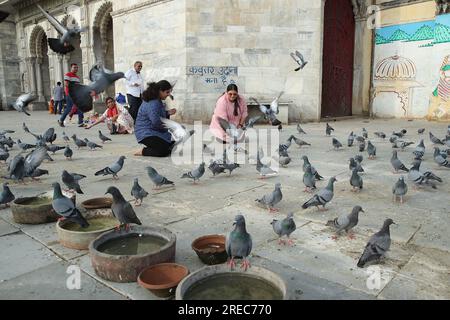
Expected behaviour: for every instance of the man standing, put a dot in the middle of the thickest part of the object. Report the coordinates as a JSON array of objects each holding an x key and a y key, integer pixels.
[
  {"x": 70, "y": 77},
  {"x": 135, "y": 87},
  {"x": 58, "y": 97}
]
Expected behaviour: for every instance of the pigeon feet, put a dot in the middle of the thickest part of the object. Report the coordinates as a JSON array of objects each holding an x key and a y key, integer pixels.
[
  {"x": 351, "y": 236},
  {"x": 271, "y": 210},
  {"x": 280, "y": 242},
  {"x": 335, "y": 237},
  {"x": 245, "y": 264},
  {"x": 291, "y": 242},
  {"x": 231, "y": 263}
]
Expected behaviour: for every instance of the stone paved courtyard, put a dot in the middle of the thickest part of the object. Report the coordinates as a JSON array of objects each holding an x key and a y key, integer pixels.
[{"x": 33, "y": 264}]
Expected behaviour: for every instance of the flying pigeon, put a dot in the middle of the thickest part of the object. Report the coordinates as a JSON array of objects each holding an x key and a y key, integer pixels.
[
  {"x": 21, "y": 103},
  {"x": 122, "y": 209},
  {"x": 298, "y": 57},
  {"x": 377, "y": 246},
  {"x": 179, "y": 133},
  {"x": 158, "y": 180},
  {"x": 238, "y": 243},
  {"x": 113, "y": 168},
  {"x": 269, "y": 111},
  {"x": 138, "y": 192},
  {"x": 271, "y": 199},
  {"x": 66, "y": 208},
  {"x": 322, "y": 197},
  {"x": 284, "y": 228},
  {"x": 49, "y": 135},
  {"x": 346, "y": 222},
  {"x": 25, "y": 146},
  {"x": 232, "y": 131},
  {"x": 400, "y": 189}
]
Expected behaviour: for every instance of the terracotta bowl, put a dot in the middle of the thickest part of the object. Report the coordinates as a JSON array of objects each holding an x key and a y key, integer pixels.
[
  {"x": 162, "y": 279},
  {"x": 211, "y": 249},
  {"x": 97, "y": 203}
]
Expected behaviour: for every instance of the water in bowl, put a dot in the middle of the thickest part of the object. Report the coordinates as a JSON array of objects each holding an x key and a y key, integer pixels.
[
  {"x": 233, "y": 286},
  {"x": 35, "y": 201},
  {"x": 95, "y": 224},
  {"x": 133, "y": 244}
]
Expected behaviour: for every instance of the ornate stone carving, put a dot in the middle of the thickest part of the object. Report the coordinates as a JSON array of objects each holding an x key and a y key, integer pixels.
[
  {"x": 442, "y": 6},
  {"x": 359, "y": 9}
]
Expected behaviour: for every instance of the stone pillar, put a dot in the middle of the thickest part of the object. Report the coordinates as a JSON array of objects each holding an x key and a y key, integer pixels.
[
  {"x": 40, "y": 88},
  {"x": 59, "y": 71},
  {"x": 31, "y": 61},
  {"x": 65, "y": 64}
]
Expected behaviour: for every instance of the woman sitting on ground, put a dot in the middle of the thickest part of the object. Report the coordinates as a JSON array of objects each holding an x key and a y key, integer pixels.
[
  {"x": 149, "y": 129},
  {"x": 231, "y": 106},
  {"x": 116, "y": 117}
]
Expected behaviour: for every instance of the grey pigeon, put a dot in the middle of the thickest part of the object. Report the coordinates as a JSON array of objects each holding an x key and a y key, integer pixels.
[
  {"x": 16, "y": 169},
  {"x": 4, "y": 155},
  {"x": 22, "y": 102},
  {"x": 422, "y": 179},
  {"x": 400, "y": 189},
  {"x": 231, "y": 166},
  {"x": 360, "y": 139},
  {"x": 365, "y": 133},
  {"x": 309, "y": 180},
  {"x": 6, "y": 196},
  {"x": 346, "y": 222},
  {"x": 77, "y": 176},
  {"x": 66, "y": 208},
  {"x": 283, "y": 147},
  {"x": 356, "y": 181},
  {"x": 216, "y": 168},
  {"x": 35, "y": 159},
  {"x": 269, "y": 111},
  {"x": 284, "y": 228},
  {"x": 313, "y": 170},
  {"x": 284, "y": 160},
  {"x": 421, "y": 130},
  {"x": 67, "y": 42},
  {"x": 439, "y": 159},
  {"x": 238, "y": 243},
  {"x": 68, "y": 153},
  {"x": 404, "y": 144},
  {"x": 328, "y": 129},
  {"x": 353, "y": 164},
  {"x": 435, "y": 140},
  {"x": 397, "y": 164},
  {"x": 49, "y": 135},
  {"x": 399, "y": 134},
  {"x": 298, "y": 141},
  {"x": 336, "y": 144},
  {"x": 371, "y": 150},
  {"x": 103, "y": 137},
  {"x": 322, "y": 197},
  {"x": 207, "y": 150},
  {"x": 179, "y": 132},
  {"x": 298, "y": 57},
  {"x": 54, "y": 148},
  {"x": 80, "y": 143},
  {"x": 299, "y": 129},
  {"x": 362, "y": 146},
  {"x": 235, "y": 133},
  {"x": 350, "y": 139},
  {"x": 157, "y": 179},
  {"x": 65, "y": 137},
  {"x": 419, "y": 151},
  {"x": 70, "y": 182},
  {"x": 271, "y": 199},
  {"x": 37, "y": 173},
  {"x": 122, "y": 209},
  {"x": 377, "y": 246},
  {"x": 380, "y": 134},
  {"x": 251, "y": 122},
  {"x": 138, "y": 192},
  {"x": 113, "y": 168},
  {"x": 3, "y": 132},
  {"x": 92, "y": 145},
  {"x": 25, "y": 146},
  {"x": 263, "y": 169},
  {"x": 195, "y": 174}
]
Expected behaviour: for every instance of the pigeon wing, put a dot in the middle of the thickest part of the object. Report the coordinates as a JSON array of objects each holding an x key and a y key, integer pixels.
[
  {"x": 55, "y": 23},
  {"x": 80, "y": 95}
]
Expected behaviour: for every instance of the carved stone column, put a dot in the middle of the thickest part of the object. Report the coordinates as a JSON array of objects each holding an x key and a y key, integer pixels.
[
  {"x": 40, "y": 88},
  {"x": 442, "y": 7},
  {"x": 31, "y": 61},
  {"x": 65, "y": 64},
  {"x": 59, "y": 73}
]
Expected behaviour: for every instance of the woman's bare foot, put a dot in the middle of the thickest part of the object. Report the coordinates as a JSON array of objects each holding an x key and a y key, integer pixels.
[{"x": 138, "y": 153}]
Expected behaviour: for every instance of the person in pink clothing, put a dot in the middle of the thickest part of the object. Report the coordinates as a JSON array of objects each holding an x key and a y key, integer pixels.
[{"x": 232, "y": 107}]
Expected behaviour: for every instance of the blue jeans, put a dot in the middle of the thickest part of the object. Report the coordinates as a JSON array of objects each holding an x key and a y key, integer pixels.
[
  {"x": 69, "y": 104},
  {"x": 60, "y": 104}
]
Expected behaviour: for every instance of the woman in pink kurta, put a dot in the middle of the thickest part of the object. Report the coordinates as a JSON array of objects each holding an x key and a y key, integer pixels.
[{"x": 232, "y": 107}]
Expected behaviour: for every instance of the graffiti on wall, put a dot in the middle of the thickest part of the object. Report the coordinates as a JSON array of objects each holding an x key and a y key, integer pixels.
[{"x": 440, "y": 99}]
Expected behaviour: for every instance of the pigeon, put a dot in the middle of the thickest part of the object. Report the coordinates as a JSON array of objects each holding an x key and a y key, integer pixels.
[
  {"x": 122, "y": 209},
  {"x": 6, "y": 196},
  {"x": 283, "y": 147},
  {"x": 392, "y": 139},
  {"x": 25, "y": 146},
  {"x": 68, "y": 153},
  {"x": 157, "y": 179},
  {"x": 232, "y": 131},
  {"x": 378, "y": 245},
  {"x": 359, "y": 158},
  {"x": 284, "y": 160},
  {"x": 397, "y": 164},
  {"x": 207, "y": 150},
  {"x": 179, "y": 133},
  {"x": 419, "y": 178},
  {"x": 362, "y": 146},
  {"x": 380, "y": 134},
  {"x": 195, "y": 174},
  {"x": 269, "y": 111},
  {"x": 435, "y": 140},
  {"x": 138, "y": 192},
  {"x": 66, "y": 208},
  {"x": 328, "y": 129},
  {"x": 238, "y": 243},
  {"x": 299, "y": 129},
  {"x": 284, "y": 228},
  {"x": 49, "y": 135},
  {"x": 77, "y": 176},
  {"x": 70, "y": 182},
  {"x": 419, "y": 152},
  {"x": 404, "y": 144},
  {"x": 346, "y": 222},
  {"x": 356, "y": 181},
  {"x": 371, "y": 150},
  {"x": 400, "y": 189},
  {"x": 280, "y": 128},
  {"x": 298, "y": 141},
  {"x": 80, "y": 143},
  {"x": 263, "y": 169},
  {"x": 21, "y": 103},
  {"x": 298, "y": 57},
  {"x": 421, "y": 130},
  {"x": 4, "y": 155},
  {"x": 336, "y": 144},
  {"x": 16, "y": 169},
  {"x": 360, "y": 139},
  {"x": 271, "y": 199},
  {"x": 7, "y": 141},
  {"x": 313, "y": 170},
  {"x": 322, "y": 197},
  {"x": 251, "y": 122},
  {"x": 101, "y": 79},
  {"x": 37, "y": 173},
  {"x": 4, "y": 132},
  {"x": 34, "y": 159},
  {"x": 92, "y": 145},
  {"x": 365, "y": 133},
  {"x": 399, "y": 134},
  {"x": 113, "y": 168},
  {"x": 66, "y": 43},
  {"x": 309, "y": 180},
  {"x": 54, "y": 148},
  {"x": 350, "y": 139},
  {"x": 65, "y": 137},
  {"x": 353, "y": 164},
  {"x": 216, "y": 168},
  {"x": 103, "y": 137},
  {"x": 230, "y": 166},
  {"x": 439, "y": 159}
]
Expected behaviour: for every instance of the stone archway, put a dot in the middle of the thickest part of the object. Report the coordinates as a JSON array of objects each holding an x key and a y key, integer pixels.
[
  {"x": 39, "y": 75},
  {"x": 103, "y": 40},
  {"x": 76, "y": 55}
]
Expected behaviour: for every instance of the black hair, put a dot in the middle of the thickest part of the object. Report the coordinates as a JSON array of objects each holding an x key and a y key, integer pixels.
[
  {"x": 73, "y": 64},
  {"x": 233, "y": 87},
  {"x": 58, "y": 83},
  {"x": 153, "y": 89},
  {"x": 109, "y": 98}
]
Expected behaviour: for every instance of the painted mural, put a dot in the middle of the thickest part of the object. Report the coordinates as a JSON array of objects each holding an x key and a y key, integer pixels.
[{"x": 412, "y": 72}]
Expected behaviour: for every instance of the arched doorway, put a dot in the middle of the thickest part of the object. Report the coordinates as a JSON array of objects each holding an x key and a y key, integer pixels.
[
  {"x": 39, "y": 67},
  {"x": 337, "y": 63},
  {"x": 104, "y": 40}
]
